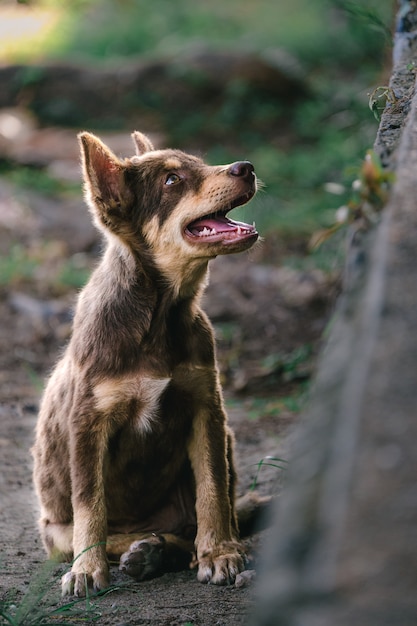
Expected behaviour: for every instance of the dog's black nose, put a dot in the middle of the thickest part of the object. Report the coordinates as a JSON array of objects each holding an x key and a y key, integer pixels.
[{"x": 242, "y": 169}]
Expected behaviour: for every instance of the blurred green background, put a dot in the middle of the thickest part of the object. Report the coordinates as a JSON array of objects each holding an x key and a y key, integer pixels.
[
  {"x": 70, "y": 64},
  {"x": 337, "y": 47}
]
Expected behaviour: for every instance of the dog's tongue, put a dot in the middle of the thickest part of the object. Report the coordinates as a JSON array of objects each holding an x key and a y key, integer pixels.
[{"x": 219, "y": 224}]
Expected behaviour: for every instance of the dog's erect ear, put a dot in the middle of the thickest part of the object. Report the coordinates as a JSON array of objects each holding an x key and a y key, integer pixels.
[
  {"x": 142, "y": 143},
  {"x": 103, "y": 172}
]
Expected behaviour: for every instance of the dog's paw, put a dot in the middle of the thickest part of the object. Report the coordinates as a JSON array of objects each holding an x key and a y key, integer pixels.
[
  {"x": 144, "y": 559},
  {"x": 79, "y": 583},
  {"x": 220, "y": 567}
]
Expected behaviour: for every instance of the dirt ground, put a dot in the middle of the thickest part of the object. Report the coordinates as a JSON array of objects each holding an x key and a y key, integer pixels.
[{"x": 268, "y": 319}]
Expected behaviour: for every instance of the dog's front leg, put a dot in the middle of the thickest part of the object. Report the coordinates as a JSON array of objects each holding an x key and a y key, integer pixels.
[
  {"x": 88, "y": 445},
  {"x": 219, "y": 554}
]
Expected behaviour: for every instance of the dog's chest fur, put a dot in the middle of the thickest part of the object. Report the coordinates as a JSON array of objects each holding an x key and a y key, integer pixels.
[
  {"x": 145, "y": 358},
  {"x": 149, "y": 364},
  {"x": 143, "y": 391}
]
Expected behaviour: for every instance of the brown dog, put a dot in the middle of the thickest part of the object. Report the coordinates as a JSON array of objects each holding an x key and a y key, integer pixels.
[{"x": 133, "y": 455}]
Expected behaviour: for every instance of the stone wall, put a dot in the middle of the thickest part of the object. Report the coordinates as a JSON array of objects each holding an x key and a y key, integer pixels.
[{"x": 343, "y": 549}]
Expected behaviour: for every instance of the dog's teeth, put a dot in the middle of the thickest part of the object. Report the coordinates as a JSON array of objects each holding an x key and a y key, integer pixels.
[{"x": 207, "y": 232}]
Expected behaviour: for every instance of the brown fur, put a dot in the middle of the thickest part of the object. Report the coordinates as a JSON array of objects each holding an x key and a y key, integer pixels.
[{"x": 133, "y": 455}]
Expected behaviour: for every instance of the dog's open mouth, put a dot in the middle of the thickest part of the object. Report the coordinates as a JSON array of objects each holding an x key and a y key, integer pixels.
[{"x": 217, "y": 227}]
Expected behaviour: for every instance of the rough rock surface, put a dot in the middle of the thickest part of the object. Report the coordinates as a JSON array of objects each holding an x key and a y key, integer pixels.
[{"x": 344, "y": 546}]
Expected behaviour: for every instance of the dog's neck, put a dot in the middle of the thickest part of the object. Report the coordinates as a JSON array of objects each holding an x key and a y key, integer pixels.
[
  {"x": 186, "y": 283},
  {"x": 142, "y": 322}
]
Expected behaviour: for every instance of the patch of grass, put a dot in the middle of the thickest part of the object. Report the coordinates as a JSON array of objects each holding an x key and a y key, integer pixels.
[
  {"x": 269, "y": 461},
  {"x": 256, "y": 407},
  {"x": 290, "y": 365},
  {"x": 18, "y": 266},
  {"x": 36, "y": 609},
  {"x": 37, "y": 180},
  {"x": 46, "y": 266},
  {"x": 273, "y": 406},
  {"x": 41, "y": 607}
]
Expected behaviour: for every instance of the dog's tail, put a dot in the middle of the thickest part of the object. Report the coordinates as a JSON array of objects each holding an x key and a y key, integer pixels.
[{"x": 253, "y": 512}]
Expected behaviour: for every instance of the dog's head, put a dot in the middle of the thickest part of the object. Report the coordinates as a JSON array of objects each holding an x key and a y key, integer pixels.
[{"x": 168, "y": 202}]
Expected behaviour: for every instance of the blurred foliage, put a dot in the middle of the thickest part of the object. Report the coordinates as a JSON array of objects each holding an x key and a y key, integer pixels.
[
  {"x": 17, "y": 266},
  {"x": 340, "y": 44},
  {"x": 308, "y": 155},
  {"x": 311, "y": 30},
  {"x": 36, "y": 179},
  {"x": 270, "y": 405},
  {"x": 368, "y": 197},
  {"x": 45, "y": 267}
]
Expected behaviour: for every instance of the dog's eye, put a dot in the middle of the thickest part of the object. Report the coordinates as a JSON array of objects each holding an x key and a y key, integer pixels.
[{"x": 173, "y": 179}]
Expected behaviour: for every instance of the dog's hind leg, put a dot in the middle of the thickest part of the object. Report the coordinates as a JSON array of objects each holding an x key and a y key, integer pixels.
[
  {"x": 57, "y": 539},
  {"x": 145, "y": 555},
  {"x": 253, "y": 512},
  {"x": 232, "y": 481}
]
